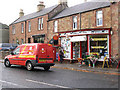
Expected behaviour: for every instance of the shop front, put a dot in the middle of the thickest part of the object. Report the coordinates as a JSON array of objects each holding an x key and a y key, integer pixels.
[{"x": 78, "y": 44}]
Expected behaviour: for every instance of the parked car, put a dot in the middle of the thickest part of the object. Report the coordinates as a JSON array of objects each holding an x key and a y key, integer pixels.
[
  {"x": 7, "y": 46},
  {"x": 31, "y": 55}
]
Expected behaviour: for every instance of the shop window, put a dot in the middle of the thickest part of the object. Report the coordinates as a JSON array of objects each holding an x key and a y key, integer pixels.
[
  {"x": 56, "y": 26},
  {"x": 39, "y": 40},
  {"x": 99, "y": 18},
  {"x": 13, "y": 29},
  {"x": 17, "y": 41},
  {"x": 22, "y": 41},
  {"x": 74, "y": 22},
  {"x": 29, "y": 40},
  {"x": 22, "y": 28},
  {"x": 99, "y": 45},
  {"x": 13, "y": 41},
  {"x": 29, "y": 26}
]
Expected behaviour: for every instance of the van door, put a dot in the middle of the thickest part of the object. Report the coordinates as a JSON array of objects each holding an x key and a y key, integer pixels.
[
  {"x": 15, "y": 58},
  {"x": 42, "y": 54},
  {"x": 50, "y": 54}
]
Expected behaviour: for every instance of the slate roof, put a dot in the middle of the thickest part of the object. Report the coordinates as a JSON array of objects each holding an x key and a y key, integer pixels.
[
  {"x": 35, "y": 14},
  {"x": 3, "y": 26},
  {"x": 80, "y": 8}
]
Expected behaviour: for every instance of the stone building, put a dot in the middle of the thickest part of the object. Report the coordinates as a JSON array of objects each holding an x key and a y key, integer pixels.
[
  {"x": 32, "y": 28},
  {"x": 4, "y": 33},
  {"x": 87, "y": 28}
]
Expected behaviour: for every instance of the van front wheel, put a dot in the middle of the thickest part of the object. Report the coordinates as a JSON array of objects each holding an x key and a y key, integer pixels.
[
  {"x": 7, "y": 63},
  {"x": 46, "y": 68},
  {"x": 29, "y": 66}
]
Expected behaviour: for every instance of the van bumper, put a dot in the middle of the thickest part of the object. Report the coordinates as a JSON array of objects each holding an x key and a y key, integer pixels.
[
  {"x": 34, "y": 63},
  {"x": 44, "y": 64}
]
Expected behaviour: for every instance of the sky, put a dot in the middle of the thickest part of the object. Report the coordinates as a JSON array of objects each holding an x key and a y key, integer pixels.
[{"x": 9, "y": 9}]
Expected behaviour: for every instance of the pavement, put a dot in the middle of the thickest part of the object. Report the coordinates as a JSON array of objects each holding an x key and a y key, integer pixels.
[{"x": 85, "y": 68}]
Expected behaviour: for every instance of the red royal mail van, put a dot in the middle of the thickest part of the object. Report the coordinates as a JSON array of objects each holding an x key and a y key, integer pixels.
[{"x": 31, "y": 55}]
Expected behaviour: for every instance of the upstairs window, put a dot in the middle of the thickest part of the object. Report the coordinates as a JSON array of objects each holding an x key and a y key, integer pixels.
[
  {"x": 13, "y": 29},
  {"x": 74, "y": 22},
  {"x": 40, "y": 23},
  {"x": 22, "y": 28},
  {"x": 99, "y": 18},
  {"x": 29, "y": 26},
  {"x": 56, "y": 26}
]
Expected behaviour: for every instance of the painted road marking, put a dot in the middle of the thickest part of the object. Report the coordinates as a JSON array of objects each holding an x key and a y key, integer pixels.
[
  {"x": 46, "y": 83},
  {"x": 14, "y": 84}
]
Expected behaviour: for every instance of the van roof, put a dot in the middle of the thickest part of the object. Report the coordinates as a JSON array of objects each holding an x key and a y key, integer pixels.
[{"x": 35, "y": 44}]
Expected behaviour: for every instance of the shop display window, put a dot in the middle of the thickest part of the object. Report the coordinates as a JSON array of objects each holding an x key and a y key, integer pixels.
[{"x": 99, "y": 45}]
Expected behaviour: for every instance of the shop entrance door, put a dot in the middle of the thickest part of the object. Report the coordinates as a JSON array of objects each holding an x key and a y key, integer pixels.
[
  {"x": 83, "y": 48},
  {"x": 76, "y": 50}
]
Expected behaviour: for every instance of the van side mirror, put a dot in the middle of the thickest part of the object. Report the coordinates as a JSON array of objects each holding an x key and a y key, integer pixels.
[{"x": 11, "y": 53}]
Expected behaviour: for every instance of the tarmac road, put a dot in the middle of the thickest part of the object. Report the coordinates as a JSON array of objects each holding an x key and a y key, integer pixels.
[{"x": 19, "y": 77}]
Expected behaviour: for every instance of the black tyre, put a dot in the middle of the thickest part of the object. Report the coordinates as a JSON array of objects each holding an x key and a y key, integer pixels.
[
  {"x": 46, "y": 68},
  {"x": 7, "y": 63},
  {"x": 29, "y": 66}
]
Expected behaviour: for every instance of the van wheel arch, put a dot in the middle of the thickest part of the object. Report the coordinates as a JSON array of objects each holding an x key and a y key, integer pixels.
[
  {"x": 29, "y": 65},
  {"x": 7, "y": 62},
  {"x": 27, "y": 62}
]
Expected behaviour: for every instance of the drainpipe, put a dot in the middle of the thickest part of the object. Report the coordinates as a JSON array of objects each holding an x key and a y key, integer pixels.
[
  {"x": 25, "y": 31},
  {"x": 80, "y": 21}
]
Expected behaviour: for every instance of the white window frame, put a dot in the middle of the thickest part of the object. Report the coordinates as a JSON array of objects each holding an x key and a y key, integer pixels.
[
  {"x": 39, "y": 21},
  {"x": 13, "y": 29},
  {"x": 29, "y": 26},
  {"x": 22, "y": 28},
  {"x": 75, "y": 22},
  {"x": 99, "y": 18},
  {"x": 55, "y": 26}
]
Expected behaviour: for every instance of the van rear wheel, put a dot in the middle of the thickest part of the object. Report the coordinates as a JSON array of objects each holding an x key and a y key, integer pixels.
[
  {"x": 7, "y": 63},
  {"x": 46, "y": 68},
  {"x": 29, "y": 66}
]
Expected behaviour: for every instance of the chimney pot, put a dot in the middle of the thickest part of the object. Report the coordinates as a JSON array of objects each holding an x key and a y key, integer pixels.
[
  {"x": 85, "y": 0},
  {"x": 21, "y": 13},
  {"x": 62, "y": 2},
  {"x": 40, "y": 6}
]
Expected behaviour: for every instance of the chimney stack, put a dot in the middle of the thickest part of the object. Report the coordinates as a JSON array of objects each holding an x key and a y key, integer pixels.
[
  {"x": 40, "y": 6},
  {"x": 85, "y": 0},
  {"x": 62, "y": 2},
  {"x": 21, "y": 13}
]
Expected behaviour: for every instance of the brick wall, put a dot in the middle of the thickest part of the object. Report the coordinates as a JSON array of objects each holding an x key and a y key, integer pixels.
[
  {"x": 34, "y": 28},
  {"x": 18, "y": 35},
  {"x": 114, "y": 38},
  {"x": 119, "y": 29}
]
